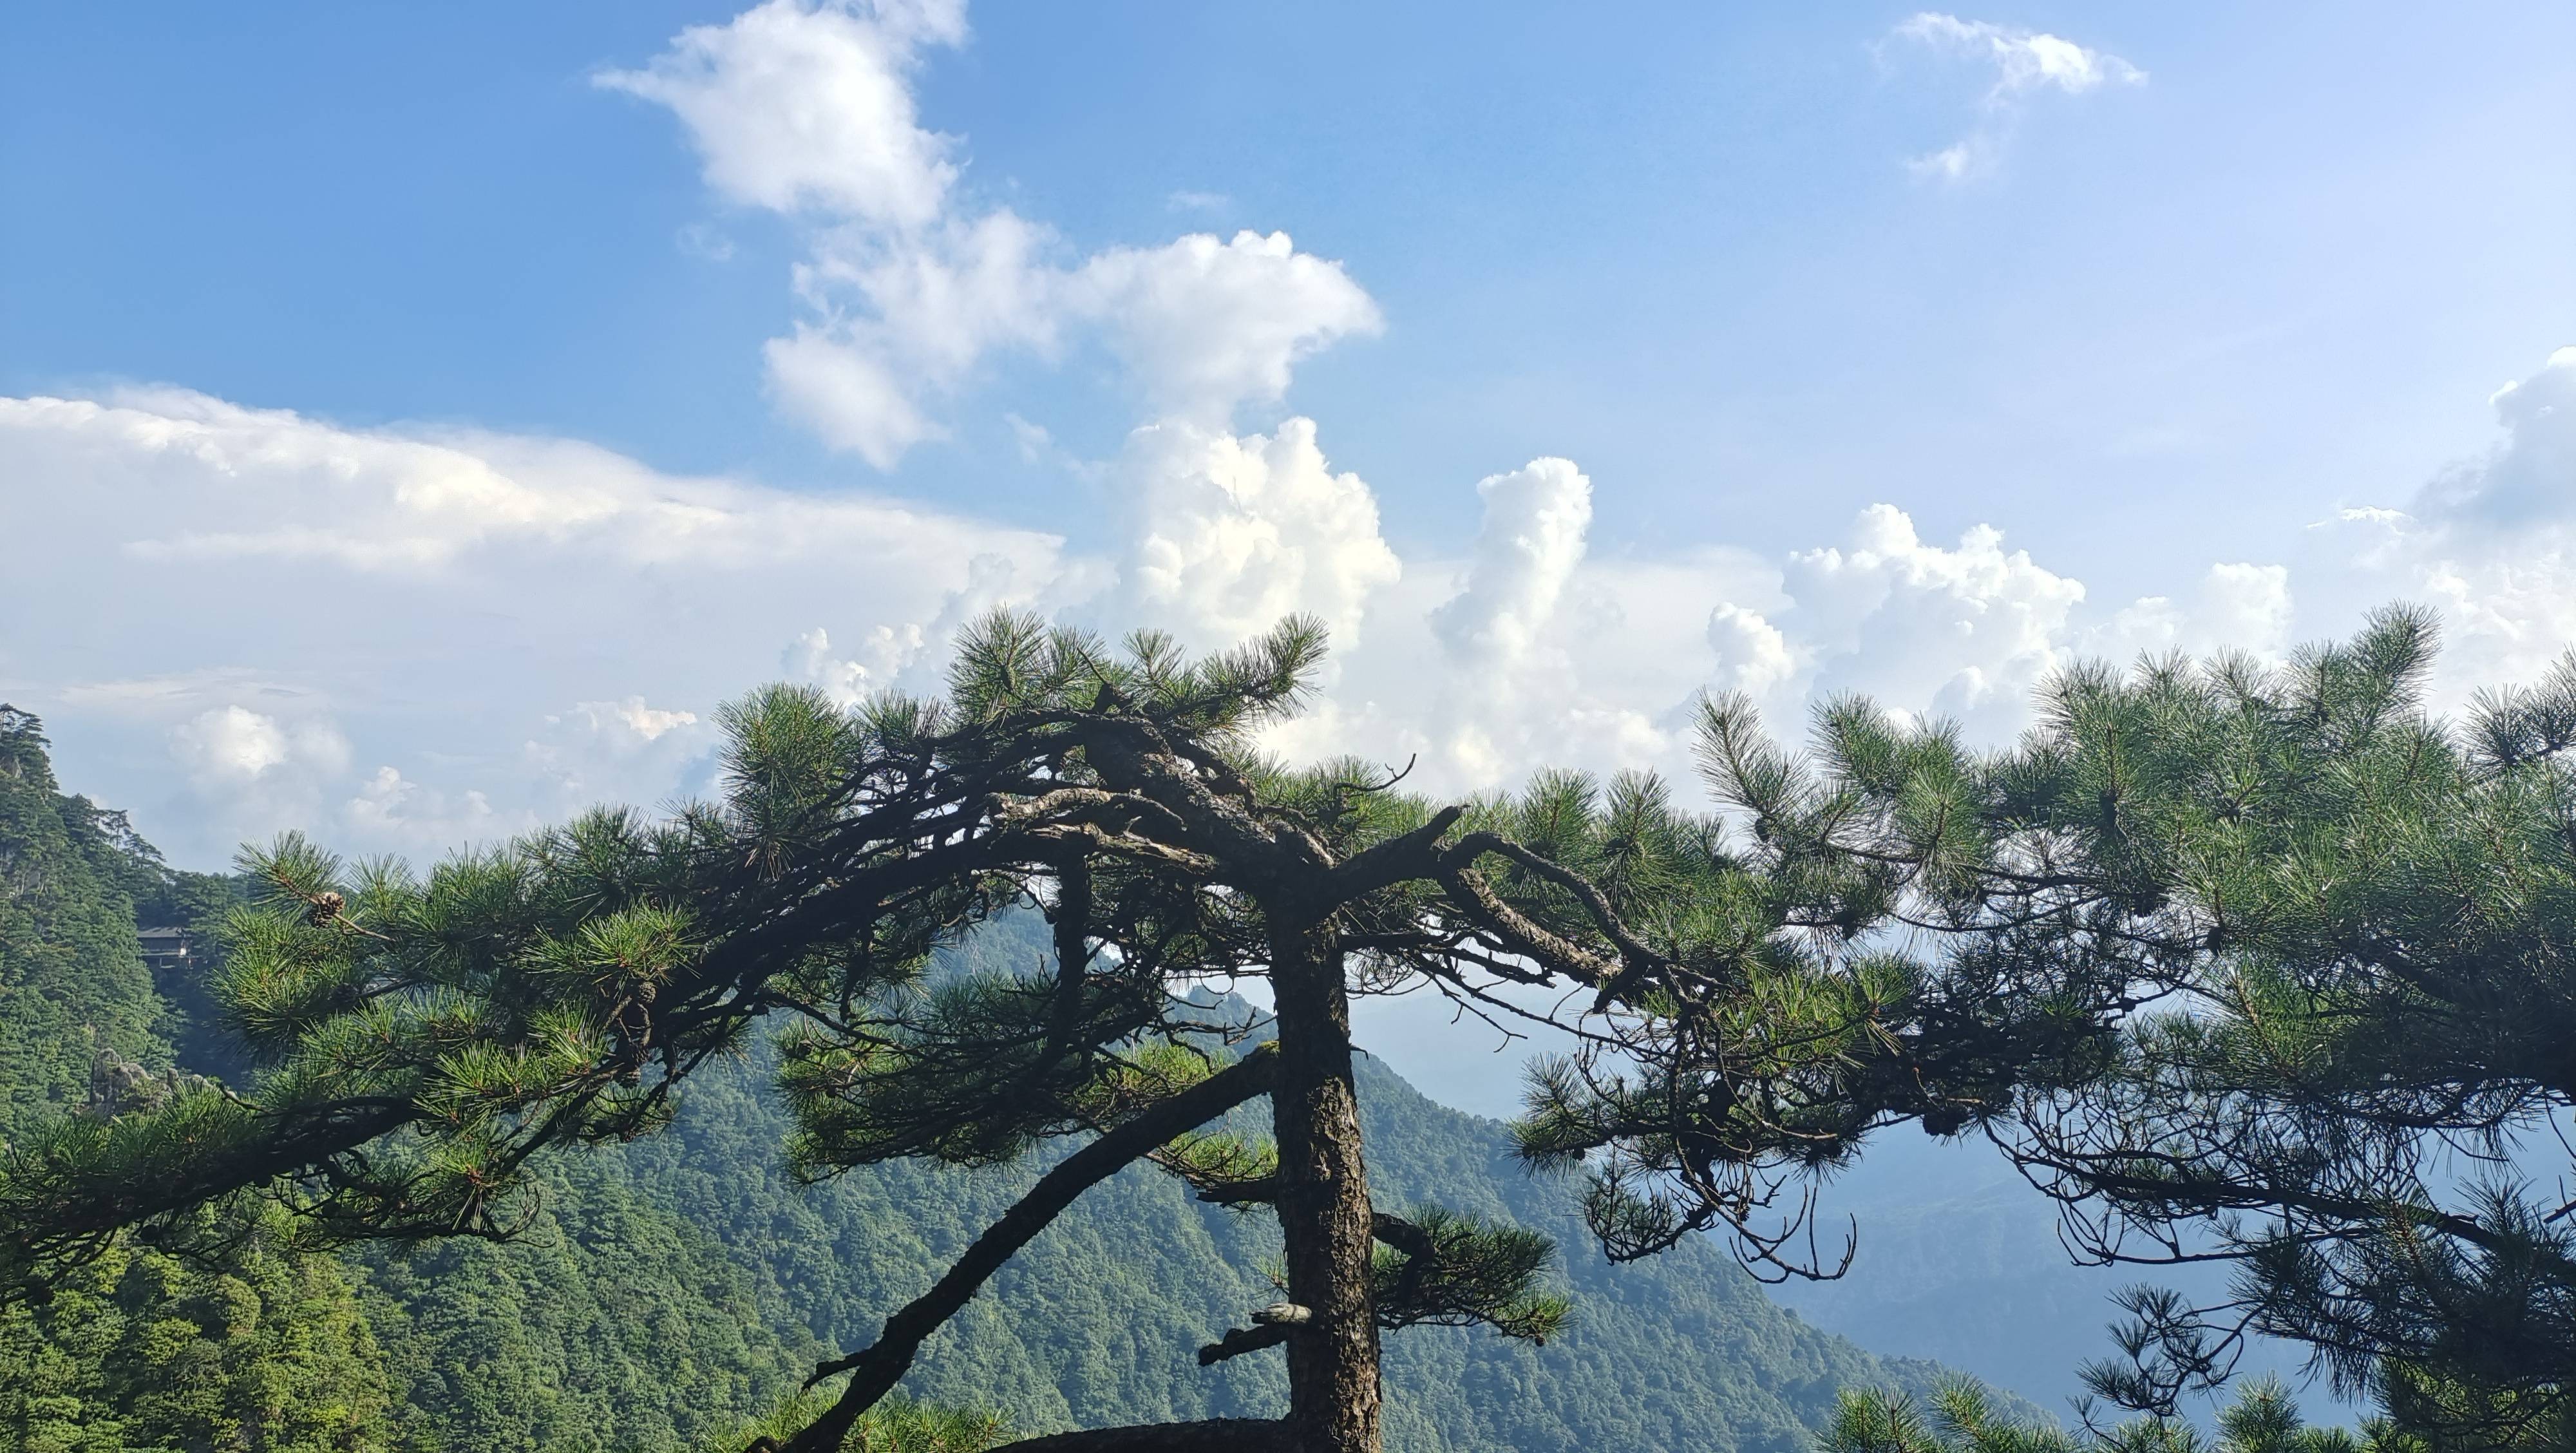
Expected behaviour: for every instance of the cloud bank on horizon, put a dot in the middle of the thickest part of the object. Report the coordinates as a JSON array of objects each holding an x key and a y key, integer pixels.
[{"x": 424, "y": 636}]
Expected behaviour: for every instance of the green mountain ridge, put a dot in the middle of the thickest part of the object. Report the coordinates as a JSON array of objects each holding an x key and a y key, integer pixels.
[{"x": 669, "y": 1287}]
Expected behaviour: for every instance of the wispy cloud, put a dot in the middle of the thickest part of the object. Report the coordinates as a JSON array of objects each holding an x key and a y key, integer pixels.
[{"x": 2023, "y": 62}]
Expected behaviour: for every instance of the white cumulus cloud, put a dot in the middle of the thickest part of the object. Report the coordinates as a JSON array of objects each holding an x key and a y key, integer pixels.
[
  {"x": 247, "y": 772},
  {"x": 1533, "y": 537},
  {"x": 1752, "y": 656},
  {"x": 172, "y": 475},
  {"x": 634, "y": 718},
  {"x": 2491, "y": 542},
  {"x": 1956, "y": 629},
  {"x": 1527, "y": 650},
  {"x": 797, "y": 106},
  {"x": 1209, "y": 325},
  {"x": 2529, "y": 477},
  {"x": 853, "y": 677},
  {"x": 1234, "y": 532},
  {"x": 388, "y": 806},
  {"x": 2239, "y": 606},
  {"x": 1531, "y": 647},
  {"x": 909, "y": 288},
  {"x": 2023, "y": 60},
  {"x": 1966, "y": 631}
]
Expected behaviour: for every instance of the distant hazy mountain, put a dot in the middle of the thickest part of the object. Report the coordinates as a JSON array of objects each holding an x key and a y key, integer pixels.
[{"x": 1959, "y": 1261}]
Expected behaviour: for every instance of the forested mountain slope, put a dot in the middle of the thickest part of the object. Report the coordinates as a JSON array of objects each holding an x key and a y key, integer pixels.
[
  {"x": 1097, "y": 1322},
  {"x": 668, "y": 1287},
  {"x": 72, "y": 980},
  {"x": 142, "y": 1350}
]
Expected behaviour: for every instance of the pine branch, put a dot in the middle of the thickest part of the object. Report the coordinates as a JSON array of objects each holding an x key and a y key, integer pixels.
[
  {"x": 876, "y": 1370},
  {"x": 1215, "y": 1435}
]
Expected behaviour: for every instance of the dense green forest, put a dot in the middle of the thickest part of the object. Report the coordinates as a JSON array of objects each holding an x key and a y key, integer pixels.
[
  {"x": 143, "y": 1350},
  {"x": 669, "y": 1289}
]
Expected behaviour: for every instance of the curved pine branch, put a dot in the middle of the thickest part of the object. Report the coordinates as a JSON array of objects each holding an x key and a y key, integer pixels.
[{"x": 875, "y": 1371}]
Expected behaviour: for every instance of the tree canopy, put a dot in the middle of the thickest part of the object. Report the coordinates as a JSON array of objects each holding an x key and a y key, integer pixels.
[
  {"x": 2346, "y": 933},
  {"x": 1964, "y": 1418},
  {"x": 426, "y": 1036},
  {"x": 668, "y": 1289},
  {"x": 2228, "y": 958}
]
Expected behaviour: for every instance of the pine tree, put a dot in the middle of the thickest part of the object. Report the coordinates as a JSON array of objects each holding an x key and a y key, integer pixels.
[
  {"x": 1963, "y": 1418},
  {"x": 2339, "y": 936},
  {"x": 425, "y": 1037}
]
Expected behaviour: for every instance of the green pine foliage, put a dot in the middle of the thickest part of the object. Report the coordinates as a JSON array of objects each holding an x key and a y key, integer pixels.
[
  {"x": 427, "y": 1037},
  {"x": 670, "y": 1293},
  {"x": 1965, "y": 1417},
  {"x": 2322, "y": 943},
  {"x": 2216, "y": 951}
]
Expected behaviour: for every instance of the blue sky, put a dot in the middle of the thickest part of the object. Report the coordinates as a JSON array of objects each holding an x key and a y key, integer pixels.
[
  {"x": 413, "y": 421},
  {"x": 1680, "y": 247}
]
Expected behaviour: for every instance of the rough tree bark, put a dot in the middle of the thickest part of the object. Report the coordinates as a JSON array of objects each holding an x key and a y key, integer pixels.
[{"x": 1324, "y": 1213}]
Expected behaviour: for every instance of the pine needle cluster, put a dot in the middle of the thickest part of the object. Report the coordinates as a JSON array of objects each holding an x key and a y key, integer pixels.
[{"x": 2335, "y": 938}]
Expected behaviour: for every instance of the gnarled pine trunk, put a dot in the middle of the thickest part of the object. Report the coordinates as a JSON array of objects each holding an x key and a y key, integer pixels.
[{"x": 1324, "y": 1213}]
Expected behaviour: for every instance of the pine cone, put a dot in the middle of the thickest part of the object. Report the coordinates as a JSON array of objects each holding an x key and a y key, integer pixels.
[{"x": 324, "y": 908}]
